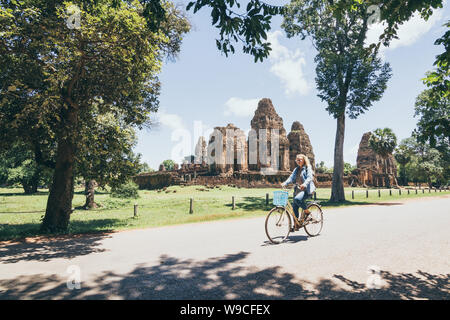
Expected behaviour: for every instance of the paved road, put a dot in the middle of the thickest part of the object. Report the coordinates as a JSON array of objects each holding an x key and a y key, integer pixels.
[{"x": 408, "y": 242}]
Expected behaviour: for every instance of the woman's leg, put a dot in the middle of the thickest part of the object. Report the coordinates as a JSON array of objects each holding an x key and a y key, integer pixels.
[{"x": 299, "y": 201}]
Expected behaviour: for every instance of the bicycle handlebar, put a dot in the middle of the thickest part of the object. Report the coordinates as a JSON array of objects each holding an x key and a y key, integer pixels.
[{"x": 293, "y": 186}]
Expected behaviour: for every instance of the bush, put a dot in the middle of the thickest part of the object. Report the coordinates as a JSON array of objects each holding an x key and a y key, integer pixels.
[
  {"x": 109, "y": 204},
  {"x": 126, "y": 190}
]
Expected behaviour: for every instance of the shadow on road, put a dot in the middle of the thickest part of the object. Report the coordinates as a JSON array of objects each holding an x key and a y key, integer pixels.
[
  {"x": 222, "y": 278},
  {"x": 43, "y": 250},
  {"x": 295, "y": 239},
  {"x": 386, "y": 204}
]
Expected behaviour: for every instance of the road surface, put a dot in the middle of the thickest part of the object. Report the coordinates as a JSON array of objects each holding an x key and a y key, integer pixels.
[{"x": 406, "y": 243}]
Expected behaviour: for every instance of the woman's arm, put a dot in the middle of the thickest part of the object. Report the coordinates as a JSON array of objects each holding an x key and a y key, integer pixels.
[
  {"x": 309, "y": 176},
  {"x": 291, "y": 177}
]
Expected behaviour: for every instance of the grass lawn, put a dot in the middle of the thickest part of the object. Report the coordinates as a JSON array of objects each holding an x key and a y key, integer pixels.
[{"x": 20, "y": 215}]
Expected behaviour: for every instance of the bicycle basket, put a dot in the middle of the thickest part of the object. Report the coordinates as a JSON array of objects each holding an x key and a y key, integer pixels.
[{"x": 280, "y": 198}]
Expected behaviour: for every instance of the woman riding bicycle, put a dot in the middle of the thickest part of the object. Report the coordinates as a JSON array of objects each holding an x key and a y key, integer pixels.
[{"x": 307, "y": 186}]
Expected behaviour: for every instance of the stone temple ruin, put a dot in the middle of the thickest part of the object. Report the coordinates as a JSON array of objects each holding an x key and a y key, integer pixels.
[
  {"x": 230, "y": 157},
  {"x": 373, "y": 170}
]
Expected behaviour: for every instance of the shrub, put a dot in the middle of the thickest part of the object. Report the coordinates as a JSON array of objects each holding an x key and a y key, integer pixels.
[{"x": 126, "y": 190}]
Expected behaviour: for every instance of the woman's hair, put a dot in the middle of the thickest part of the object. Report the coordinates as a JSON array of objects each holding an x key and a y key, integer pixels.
[{"x": 305, "y": 158}]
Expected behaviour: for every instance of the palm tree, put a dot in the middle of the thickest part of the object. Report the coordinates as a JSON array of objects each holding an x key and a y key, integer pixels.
[
  {"x": 403, "y": 157},
  {"x": 383, "y": 142}
]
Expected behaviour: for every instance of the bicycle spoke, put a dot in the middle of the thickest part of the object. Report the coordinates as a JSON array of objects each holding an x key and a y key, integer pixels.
[
  {"x": 314, "y": 222},
  {"x": 277, "y": 225}
]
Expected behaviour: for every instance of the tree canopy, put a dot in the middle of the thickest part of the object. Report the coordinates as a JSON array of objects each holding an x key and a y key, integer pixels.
[
  {"x": 383, "y": 141},
  {"x": 248, "y": 25},
  {"x": 426, "y": 164},
  {"x": 57, "y": 83},
  {"x": 349, "y": 75}
]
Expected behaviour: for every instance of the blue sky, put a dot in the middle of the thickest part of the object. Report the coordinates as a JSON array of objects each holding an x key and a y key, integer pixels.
[{"x": 203, "y": 89}]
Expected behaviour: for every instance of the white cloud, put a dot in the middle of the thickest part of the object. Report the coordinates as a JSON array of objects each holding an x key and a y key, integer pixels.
[
  {"x": 171, "y": 120},
  {"x": 408, "y": 33},
  {"x": 240, "y": 107},
  {"x": 287, "y": 65}
]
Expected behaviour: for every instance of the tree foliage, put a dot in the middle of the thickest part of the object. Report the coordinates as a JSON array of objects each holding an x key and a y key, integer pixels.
[
  {"x": 433, "y": 104},
  {"x": 433, "y": 110},
  {"x": 106, "y": 155},
  {"x": 248, "y": 25},
  {"x": 57, "y": 83},
  {"x": 168, "y": 164},
  {"x": 349, "y": 75},
  {"x": 394, "y": 13},
  {"x": 425, "y": 163},
  {"x": 17, "y": 166},
  {"x": 383, "y": 141},
  {"x": 128, "y": 189},
  {"x": 403, "y": 156}
]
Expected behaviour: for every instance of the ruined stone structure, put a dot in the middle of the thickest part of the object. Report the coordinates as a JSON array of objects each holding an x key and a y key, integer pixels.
[
  {"x": 299, "y": 144},
  {"x": 229, "y": 155},
  {"x": 264, "y": 120},
  {"x": 244, "y": 166},
  {"x": 372, "y": 169},
  {"x": 200, "y": 151}
]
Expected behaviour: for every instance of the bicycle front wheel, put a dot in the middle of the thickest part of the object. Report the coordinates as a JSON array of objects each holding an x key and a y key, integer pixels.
[
  {"x": 278, "y": 225},
  {"x": 314, "y": 221}
]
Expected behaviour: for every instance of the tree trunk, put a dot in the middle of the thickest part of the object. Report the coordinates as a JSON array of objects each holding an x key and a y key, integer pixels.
[
  {"x": 30, "y": 187},
  {"x": 337, "y": 188},
  {"x": 59, "y": 203},
  {"x": 90, "y": 192},
  {"x": 27, "y": 188},
  {"x": 387, "y": 181}
]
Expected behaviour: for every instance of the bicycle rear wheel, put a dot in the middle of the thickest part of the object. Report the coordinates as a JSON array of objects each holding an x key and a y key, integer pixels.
[
  {"x": 278, "y": 225},
  {"x": 314, "y": 223}
]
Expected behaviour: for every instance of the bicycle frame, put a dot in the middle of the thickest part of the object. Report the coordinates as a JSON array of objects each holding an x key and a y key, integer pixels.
[
  {"x": 290, "y": 210},
  {"x": 288, "y": 207}
]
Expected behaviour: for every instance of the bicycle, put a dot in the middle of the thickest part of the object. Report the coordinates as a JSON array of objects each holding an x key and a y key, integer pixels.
[{"x": 279, "y": 220}]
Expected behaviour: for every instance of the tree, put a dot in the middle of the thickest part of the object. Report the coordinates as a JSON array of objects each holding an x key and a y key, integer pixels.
[
  {"x": 320, "y": 167},
  {"x": 427, "y": 164},
  {"x": 433, "y": 104},
  {"x": 403, "y": 156},
  {"x": 168, "y": 164},
  {"x": 433, "y": 110},
  {"x": 383, "y": 142},
  {"x": 349, "y": 76},
  {"x": 438, "y": 80},
  {"x": 144, "y": 167},
  {"x": 105, "y": 154},
  {"x": 393, "y": 13},
  {"x": 249, "y": 27},
  {"x": 348, "y": 168},
  {"x": 315, "y": 18},
  {"x": 431, "y": 165},
  {"x": 17, "y": 165},
  {"x": 51, "y": 75}
]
